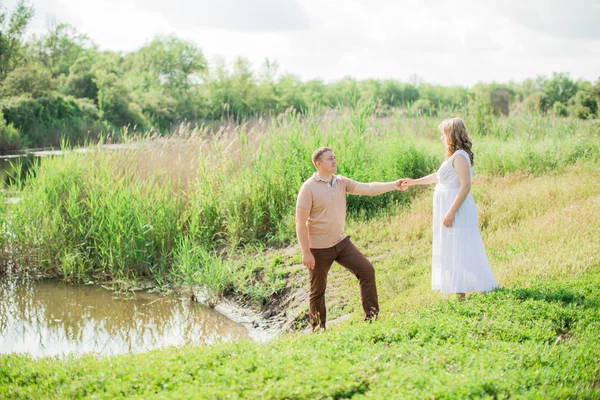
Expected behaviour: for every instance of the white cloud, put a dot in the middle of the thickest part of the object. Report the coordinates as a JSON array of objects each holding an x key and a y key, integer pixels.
[
  {"x": 236, "y": 15},
  {"x": 446, "y": 42},
  {"x": 557, "y": 18}
]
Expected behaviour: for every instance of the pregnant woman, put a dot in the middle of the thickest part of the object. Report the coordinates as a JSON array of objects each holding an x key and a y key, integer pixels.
[{"x": 459, "y": 261}]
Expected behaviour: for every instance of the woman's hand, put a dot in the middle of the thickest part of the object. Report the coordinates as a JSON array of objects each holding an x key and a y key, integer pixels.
[
  {"x": 448, "y": 220},
  {"x": 406, "y": 182}
]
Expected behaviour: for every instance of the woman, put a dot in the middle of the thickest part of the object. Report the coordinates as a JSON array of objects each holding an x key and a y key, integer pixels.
[{"x": 459, "y": 261}]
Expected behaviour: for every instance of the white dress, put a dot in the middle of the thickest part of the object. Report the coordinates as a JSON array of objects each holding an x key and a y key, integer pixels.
[{"x": 459, "y": 261}]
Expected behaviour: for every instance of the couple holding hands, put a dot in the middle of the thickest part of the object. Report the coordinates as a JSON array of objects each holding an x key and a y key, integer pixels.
[{"x": 459, "y": 261}]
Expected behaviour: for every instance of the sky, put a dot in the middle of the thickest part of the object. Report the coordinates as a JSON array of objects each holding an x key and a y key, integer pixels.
[{"x": 441, "y": 42}]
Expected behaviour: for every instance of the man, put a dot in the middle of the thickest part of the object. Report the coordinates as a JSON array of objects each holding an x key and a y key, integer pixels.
[{"x": 320, "y": 220}]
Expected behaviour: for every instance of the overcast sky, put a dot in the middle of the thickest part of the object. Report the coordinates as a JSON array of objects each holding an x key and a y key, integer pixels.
[{"x": 444, "y": 42}]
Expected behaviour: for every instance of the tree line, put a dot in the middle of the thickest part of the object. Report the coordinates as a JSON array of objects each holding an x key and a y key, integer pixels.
[{"x": 59, "y": 85}]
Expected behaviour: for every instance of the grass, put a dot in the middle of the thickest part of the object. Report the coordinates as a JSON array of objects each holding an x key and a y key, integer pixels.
[
  {"x": 136, "y": 214},
  {"x": 536, "y": 337},
  {"x": 180, "y": 209},
  {"x": 539, "y": 342}
]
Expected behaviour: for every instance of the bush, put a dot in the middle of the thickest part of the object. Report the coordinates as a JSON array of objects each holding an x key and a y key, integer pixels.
[
  {"x": 533, "y": 104},
  {"x": 560, "y": 110},
  {"x": 80, "y": 82},
  {"x": 47, "y": 120},
  {"x": 32, "y": 80},
  {"x": 584, "y": 105},
  {"x": 10, "y": 139},
  {"x": 423, "y": 107},
  {"x": 480, "y": 111},
  {"x": 115, "y": 101}
]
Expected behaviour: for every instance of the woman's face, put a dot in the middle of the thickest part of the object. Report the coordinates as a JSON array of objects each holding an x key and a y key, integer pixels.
[{"x": 443, "y": 138}]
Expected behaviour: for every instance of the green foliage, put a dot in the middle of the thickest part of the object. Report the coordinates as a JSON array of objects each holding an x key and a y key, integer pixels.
[
  {"x": 10, "y": 139},
  {"x": 45, "y": 120},
  {"x": 58, "y": 49},
  {"x": 12, "y": 29},
  {"x": 534, "y": 103},
  {"x": 115, "y": 102},
  {"x": 559, "y": 88},
  {"x": 480, "y": 111},
  {"x": 172, "y": 61},
  {"x": 32, "y": 80},
  {"x": 80, "y": 82},
  {"x": 584, "y": 105},
  {"x": 241, "y": 193},
  {"x": 136, "y": 227},
  {"x": 534, "y": 342},
  {"x": 442, "y": 97},
  {"x": 423, "y": 107},
  {"x": 560, "y": 110}
]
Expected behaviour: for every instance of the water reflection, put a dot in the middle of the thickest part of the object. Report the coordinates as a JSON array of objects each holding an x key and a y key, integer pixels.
[
  {"x": 13, "y": 166},
  {"x": 51, "y": 318}
]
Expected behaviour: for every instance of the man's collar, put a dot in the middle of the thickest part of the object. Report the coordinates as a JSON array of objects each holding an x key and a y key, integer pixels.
[{"x": 317, "y": 178}]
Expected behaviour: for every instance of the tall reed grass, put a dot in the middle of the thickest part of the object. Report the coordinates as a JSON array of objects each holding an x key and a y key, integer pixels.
[
  {"x": 178, "y": 208},
  {"x": 168, "y": 210}
]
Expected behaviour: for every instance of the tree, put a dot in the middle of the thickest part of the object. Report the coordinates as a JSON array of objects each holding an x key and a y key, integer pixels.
[
  {"x": 559, "y": 88},
  {"x": 480, "y": 110},
  {"x": 11, "y": 53},
  {"x": 174, "y": 62},
  {"x": 115, "y": 101},
  {"x": 58, "y": 49},
  {"x": 80, "y": 82},
  {"x": 32, "y": 79}
]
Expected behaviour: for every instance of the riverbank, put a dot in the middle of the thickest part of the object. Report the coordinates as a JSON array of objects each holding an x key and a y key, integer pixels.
[{"x": 535, "y": 337}]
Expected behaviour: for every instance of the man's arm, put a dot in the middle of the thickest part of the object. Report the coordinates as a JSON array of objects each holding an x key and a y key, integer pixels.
[
  {"x": 302, "y": 215},
  {"x": 375, "y": 188}
]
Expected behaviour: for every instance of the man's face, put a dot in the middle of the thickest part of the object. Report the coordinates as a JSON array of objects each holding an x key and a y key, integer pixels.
[{"x": 328, "y": 163}]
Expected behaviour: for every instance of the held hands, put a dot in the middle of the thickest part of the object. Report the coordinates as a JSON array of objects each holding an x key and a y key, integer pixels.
[
  {"x": 448, "y": 220},
  {"x": 308, "y": 260},
  {"x": 403, "y": 184}
]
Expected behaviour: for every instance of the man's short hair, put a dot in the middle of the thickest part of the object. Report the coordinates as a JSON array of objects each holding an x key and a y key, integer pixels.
[{"x": 319, "y": 153}]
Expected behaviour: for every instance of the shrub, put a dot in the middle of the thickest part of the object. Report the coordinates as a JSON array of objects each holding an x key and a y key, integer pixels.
[
  {"x": 423, "y": 107},
  {"x": 31, "y": 80},
  {"x": 10, "y": 139},
  {"x": 560, "y": 110},
  {"x": 47, "y": 120},
  {"x": 480, "y": 111}
]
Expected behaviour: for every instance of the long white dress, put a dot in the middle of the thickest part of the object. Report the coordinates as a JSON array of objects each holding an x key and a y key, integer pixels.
[{"x": 459, "y": 261}]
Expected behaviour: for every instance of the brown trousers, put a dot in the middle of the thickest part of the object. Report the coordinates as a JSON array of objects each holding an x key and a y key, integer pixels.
[{"x": 346, "y": 254}]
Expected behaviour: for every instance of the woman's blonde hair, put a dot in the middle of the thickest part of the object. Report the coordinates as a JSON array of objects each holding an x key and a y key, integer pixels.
[{"x": 457, "y": 137}]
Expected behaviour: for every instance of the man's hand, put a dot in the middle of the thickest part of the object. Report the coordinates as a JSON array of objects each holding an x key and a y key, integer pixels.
[
  {"x": 404, "y": 183},
  {"x": 308, "y": 260},
  {"x": 401, "y": 184}
]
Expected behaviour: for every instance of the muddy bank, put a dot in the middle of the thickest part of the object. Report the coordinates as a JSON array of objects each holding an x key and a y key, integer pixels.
[{"x": 284, "y": 312}]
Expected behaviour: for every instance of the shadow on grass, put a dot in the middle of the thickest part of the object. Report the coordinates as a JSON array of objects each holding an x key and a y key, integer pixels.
[{"x": 553, "y": 296}]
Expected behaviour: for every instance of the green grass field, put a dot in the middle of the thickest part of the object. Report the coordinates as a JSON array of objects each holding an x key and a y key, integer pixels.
[{"x": 538, "y": 196}]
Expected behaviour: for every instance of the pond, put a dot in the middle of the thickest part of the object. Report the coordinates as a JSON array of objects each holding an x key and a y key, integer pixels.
[{"x": 48, "y": 317}]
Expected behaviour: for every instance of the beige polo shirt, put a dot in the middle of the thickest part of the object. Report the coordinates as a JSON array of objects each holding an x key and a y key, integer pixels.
[{"x": 327, "y": 205}]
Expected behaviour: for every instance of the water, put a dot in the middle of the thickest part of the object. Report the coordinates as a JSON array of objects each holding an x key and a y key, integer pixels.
[
  {"x": 14, "y": 165},
  {"x": 47, "y": 318}
]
